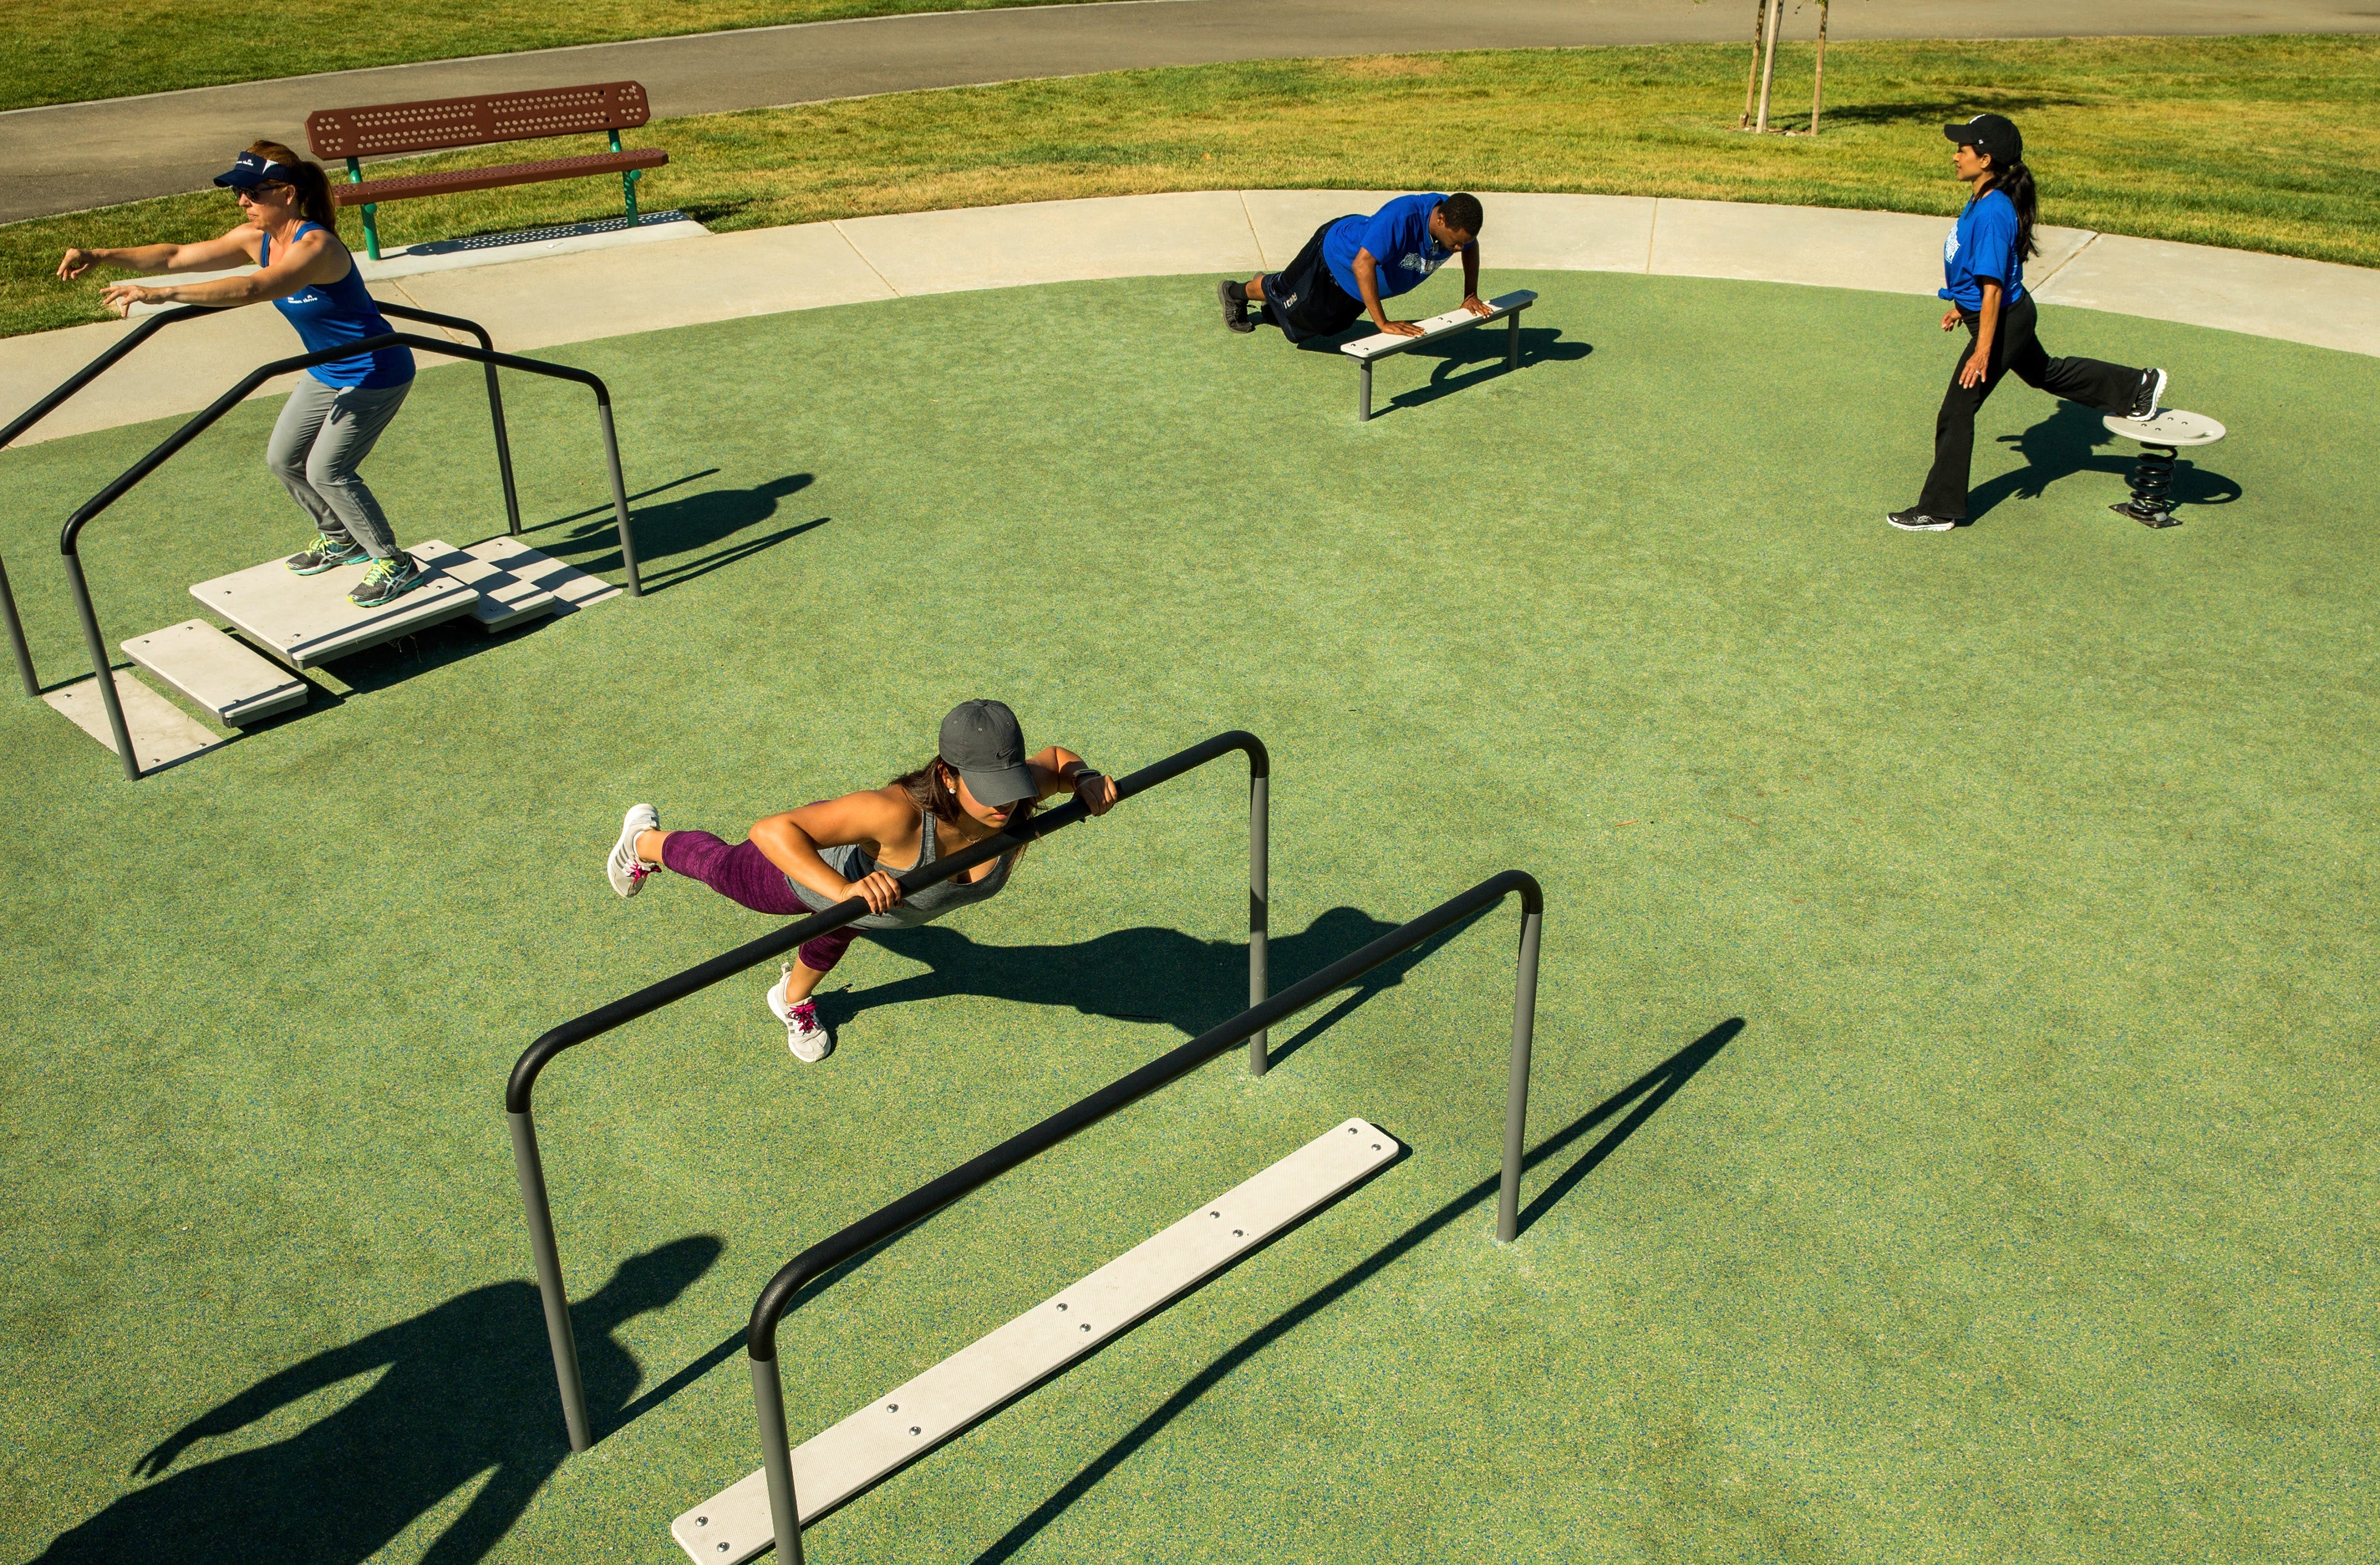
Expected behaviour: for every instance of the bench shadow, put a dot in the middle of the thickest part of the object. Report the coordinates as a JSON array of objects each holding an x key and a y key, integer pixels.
[
  {"x": 1647, "y": 1093},
  {"x": 462, "y": 1390},
  {"x": 1138, "y": 974},
  {"x": 2068, "y": 444}
]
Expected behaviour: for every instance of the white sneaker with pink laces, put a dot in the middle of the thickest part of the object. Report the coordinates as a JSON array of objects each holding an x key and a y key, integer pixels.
[
  {"x": 805, "y": 1034},
  {"x": 623, "y": 868}
]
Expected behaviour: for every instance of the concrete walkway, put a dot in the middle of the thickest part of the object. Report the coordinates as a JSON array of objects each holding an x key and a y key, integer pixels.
[
  {"x": 76, "y": 155},
  {"x": 544, "y": 302}
]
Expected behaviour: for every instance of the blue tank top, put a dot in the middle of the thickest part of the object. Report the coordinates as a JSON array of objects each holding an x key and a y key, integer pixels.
[{"x": 334, "y": 314}]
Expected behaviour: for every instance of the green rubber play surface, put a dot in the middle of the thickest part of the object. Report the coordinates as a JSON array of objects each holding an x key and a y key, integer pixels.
[{"x": 1951, "y": 1136}]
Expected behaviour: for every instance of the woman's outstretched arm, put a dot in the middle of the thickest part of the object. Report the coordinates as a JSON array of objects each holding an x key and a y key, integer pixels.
[
  {"x": 227, "y": 250},
  {"x": 792, "y": 840}
]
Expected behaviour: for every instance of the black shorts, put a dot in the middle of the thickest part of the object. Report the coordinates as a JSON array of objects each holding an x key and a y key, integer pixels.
[{"x": 1306, "y": 299}]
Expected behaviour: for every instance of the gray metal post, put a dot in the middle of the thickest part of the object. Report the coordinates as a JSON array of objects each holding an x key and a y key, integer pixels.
[
  {"x": 1511, "y": 341},
  {"x": 531, "y": 1170},
  {"x": 503, "y": 453},
  {"x": 106, "y": 674},
  {"x": 1363, "y": 391},
  {"x": 17, "y": 637},
  {"x": 1516, "y": 1091},
  {"x": 620, "y": 500},
  {"x": 777, "y": 1458},
  {"x": 1259, "y": 911}
]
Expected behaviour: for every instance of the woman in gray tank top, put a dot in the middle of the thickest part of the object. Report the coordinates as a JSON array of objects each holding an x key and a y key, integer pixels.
[{"x": 806, "y": 860}]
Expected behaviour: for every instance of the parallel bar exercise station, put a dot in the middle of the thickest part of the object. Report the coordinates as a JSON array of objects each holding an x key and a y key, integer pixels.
[
  {"x": 1367, "y": 351},
  {"x": 855, "y": 1454},
  {"x": 2151, "y": 477},
  {"x": 528, "y": 1162},
  {"x": 302, "y": 621}
]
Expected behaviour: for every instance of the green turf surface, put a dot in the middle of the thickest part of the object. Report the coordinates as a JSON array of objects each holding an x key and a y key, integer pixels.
[{"x": 2028, "y": 1215}]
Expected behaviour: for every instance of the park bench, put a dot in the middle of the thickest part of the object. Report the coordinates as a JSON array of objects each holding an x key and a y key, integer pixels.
[
  {"x": 1365, "y": 351},
  {"x": 438, "y": 123}
]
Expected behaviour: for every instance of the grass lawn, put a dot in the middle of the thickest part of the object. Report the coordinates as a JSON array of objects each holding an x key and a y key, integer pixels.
[
  {"x": 2028, "y": 1215},
  {"x": 2255, "y": 143},
  {"x": 64, "y": 53}
]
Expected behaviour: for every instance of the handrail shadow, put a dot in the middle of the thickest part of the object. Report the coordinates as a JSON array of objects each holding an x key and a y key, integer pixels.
[{"x": 1648, "y": 1092}]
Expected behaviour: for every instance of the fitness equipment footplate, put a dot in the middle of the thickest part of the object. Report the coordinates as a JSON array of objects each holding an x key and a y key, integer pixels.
[
  {"x": 305, "y": 620},
  {"x": 2152, "y": 476},
  {"x": 234, "y": 686}
]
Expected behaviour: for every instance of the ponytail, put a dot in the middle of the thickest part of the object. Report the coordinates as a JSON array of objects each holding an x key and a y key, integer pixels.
[
  {"x": 2015, "y": 182},
  {"x": 313, "y": 186}
]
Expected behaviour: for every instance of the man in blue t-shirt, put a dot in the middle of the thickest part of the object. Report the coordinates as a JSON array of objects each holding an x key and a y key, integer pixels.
[{"x": 1353, "y": 262}]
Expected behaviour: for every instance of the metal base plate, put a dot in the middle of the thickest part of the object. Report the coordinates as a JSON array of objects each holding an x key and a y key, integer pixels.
[
  {"x": 305, "y": 620},
  {"x": 234, "y": 686},
  {"x": 162, "y": 733},
  {"x": 2147, "y": 518},
  {"x": 912, "y": 1418}
]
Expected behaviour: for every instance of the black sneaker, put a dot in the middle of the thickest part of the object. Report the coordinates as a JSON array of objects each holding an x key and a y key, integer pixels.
[
  {"x": 2144, "y": 397},
  {"x": 327, "y": 552},
  {"x": 386, "y": 582},
  {"x": 1236, "y": 305},
  {"x": 1918, "y": 521}
]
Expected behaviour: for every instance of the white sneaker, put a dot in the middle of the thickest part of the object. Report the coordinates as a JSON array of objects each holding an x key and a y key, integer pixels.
[
  {"x": 626, "y": 870},
  {"x": 805, "y": 1034}
]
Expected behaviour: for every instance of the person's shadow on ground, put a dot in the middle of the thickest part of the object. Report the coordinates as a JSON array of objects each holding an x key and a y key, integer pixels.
[
  {"x": 468, "y": 1389},
  {"x": 667, "y": 531},
  {"x": 2065, "y": 443},
  {"x": 1138, "y": 974}
]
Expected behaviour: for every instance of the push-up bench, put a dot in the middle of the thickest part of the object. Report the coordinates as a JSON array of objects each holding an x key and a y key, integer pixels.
[
  {"x": 438, "y": 123},
  {"x": 1365, "y": 351}
]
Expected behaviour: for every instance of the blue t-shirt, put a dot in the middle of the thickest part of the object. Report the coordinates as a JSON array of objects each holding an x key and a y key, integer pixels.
[
  {"x": 1982, "y": 248},
  {"x": 333, "y": 315},
  {"x": 1398, "y": 236}
]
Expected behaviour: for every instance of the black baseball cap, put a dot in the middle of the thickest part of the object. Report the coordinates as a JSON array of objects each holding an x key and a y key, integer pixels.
[
  {"x": 983, "y": 740},
  {"x": 252, "y": 170},
  {"x": 1993, "y": 135}
]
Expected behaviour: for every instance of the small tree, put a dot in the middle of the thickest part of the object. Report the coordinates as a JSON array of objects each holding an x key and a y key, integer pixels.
[{"x": 1818, "y": 77}]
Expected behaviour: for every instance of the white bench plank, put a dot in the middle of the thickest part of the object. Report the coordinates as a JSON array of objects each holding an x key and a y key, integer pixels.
[
  {"x": 912, "y": 1419},
  {"x": 1456, "y": 319},
  {"x": 307, "y": 620},
  {"x": 234, "y": 686}
]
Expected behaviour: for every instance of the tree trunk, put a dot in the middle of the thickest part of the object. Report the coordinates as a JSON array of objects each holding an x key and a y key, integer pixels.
[
  {"x": 1768, "y": 65},
  {"x": 1752, "y": 77},
  {"x": 1818, "y": 77}
]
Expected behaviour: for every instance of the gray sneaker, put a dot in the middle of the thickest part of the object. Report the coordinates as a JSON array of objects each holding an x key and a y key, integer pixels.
[
  {"x": 1918, "y": 521},
  {"x": 1236, "y": 305},
  {"x": 627, "y": 872},
  {"x": 326, "y": 554},
  {"x": 387, "y": 581},
  {"x": 808, "y": 1037}
]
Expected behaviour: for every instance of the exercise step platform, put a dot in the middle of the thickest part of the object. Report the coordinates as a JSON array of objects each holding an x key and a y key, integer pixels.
[
  {"x": 234, "y": 686},
  {"x": 915, "y": 1417}
]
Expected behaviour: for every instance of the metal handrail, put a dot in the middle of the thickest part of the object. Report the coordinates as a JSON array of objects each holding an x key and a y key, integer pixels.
[
  {"x": 761, "y": 1335},
  {"x": 150, "y": 327},
  {"x": 231, "y": 399},
  {"x": 529, "y": 1164}
]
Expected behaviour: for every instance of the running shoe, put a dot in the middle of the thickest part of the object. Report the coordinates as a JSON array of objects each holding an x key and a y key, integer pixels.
[
  {"x": 624, "y": 869},
  {"x": 326, "y": 553},
  {"x": 805, "y": 1034},
  {"x": 387, "y": 581},
  {"x": 2146, "y": 395},
  {"x": 1918, "y": 521},
  {"x": 1236, "y": 305}
]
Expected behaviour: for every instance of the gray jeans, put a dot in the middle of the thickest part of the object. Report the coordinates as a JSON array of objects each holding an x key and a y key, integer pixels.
[{"x": 322, "y": 436}]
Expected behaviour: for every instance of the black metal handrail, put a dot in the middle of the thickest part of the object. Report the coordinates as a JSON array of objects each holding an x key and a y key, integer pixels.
[
  {"x": 761, "y": 1334},
  {"x": 148, "y": 328},
  {"x": 72, "y": 532},
  {"x": 528, "y": 1162}
]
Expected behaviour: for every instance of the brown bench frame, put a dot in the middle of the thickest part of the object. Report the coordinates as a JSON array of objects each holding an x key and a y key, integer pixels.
[{"x": 432, "y": 125}]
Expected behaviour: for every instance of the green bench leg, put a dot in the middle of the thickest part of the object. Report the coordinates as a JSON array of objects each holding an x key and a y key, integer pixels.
[
  {"x": 629, "y": 178},
  {"x": 371, "y": 230}
]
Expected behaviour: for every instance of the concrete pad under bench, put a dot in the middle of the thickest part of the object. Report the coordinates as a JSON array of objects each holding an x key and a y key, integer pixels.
[
  {"x": 234, "y": 686},
  {"x": 162, "y": 733}
]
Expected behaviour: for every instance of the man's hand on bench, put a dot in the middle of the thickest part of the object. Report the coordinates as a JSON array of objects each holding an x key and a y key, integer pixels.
[
  {"x": 1471, "y": 302},
  {"x": 1400, "y": 328}
]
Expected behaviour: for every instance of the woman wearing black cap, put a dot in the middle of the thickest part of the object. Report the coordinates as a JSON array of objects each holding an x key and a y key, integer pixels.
[
  {"x": 808, "y": 859},
  {"x": 1983, "y": 277},
  {"x": 333, "y": 419}
]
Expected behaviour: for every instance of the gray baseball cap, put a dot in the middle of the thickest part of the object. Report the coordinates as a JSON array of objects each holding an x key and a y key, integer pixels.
[{"x": 984, "y": 742}]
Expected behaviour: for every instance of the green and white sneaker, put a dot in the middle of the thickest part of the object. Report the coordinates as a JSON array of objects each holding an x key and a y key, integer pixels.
[
  {"x": 326, "y": 554},
  {"x": 387, "y": 581}
]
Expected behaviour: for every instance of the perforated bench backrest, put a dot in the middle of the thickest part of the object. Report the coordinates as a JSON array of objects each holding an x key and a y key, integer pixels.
[{"x": 386, "y": 129}]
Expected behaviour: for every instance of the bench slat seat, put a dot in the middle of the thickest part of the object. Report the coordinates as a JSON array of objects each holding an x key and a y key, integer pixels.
[
  {"x": 1365, "y": 351},
  {"x": 399, "y": 187}
]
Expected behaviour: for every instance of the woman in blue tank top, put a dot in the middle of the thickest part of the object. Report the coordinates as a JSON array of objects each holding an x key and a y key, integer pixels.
[{"x": 333, "y": 419}]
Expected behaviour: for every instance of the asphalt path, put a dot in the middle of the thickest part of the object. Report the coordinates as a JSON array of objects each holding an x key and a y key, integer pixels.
[{"x": 71, "y": 156}]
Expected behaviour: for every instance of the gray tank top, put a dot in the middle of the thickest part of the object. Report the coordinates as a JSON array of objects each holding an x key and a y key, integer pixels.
[{"x": 920, "y": 907}]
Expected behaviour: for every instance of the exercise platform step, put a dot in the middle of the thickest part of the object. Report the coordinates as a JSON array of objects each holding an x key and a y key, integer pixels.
[
  {"x": 305, "y": 620},
  {"x": 162, "y": 733},
  {"x": 916, "y": 1417},
  {"x": 234, "y": 686},
  {"x": 514, "y": 581}
]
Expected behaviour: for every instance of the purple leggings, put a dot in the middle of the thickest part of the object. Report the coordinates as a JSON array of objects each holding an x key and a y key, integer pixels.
[{"x": 744, "y": 874}]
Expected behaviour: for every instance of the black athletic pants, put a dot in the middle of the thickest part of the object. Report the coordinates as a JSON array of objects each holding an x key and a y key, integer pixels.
[
  {"x": 2107, "y": 387},
  {"x": 1306, "y": 299}
]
